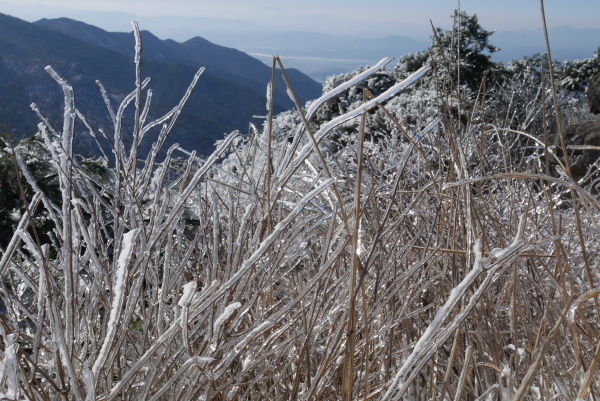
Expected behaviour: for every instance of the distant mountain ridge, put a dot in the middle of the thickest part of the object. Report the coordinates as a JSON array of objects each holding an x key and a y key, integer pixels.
[
  {"x": 320, "y": 46},
  {"x": 225, "y": 62},
  {"x": 567, "y": 43},
  {"x": 229, "y": 93}
]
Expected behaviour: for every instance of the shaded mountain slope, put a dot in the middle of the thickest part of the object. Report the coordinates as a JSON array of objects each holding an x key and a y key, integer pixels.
[
  {"x": 224, "y": 62},
  {"x": 219, "y": 105}
]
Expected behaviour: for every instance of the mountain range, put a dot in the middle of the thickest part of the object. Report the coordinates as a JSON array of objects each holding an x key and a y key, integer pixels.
[
  {"x": 321, "y": 45},
  {"x": 231, "y": 91}
]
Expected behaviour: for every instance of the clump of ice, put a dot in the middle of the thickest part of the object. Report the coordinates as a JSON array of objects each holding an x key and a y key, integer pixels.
[
  {"x": 225, "y": 315},
  {"x": 188, "y": 292}
]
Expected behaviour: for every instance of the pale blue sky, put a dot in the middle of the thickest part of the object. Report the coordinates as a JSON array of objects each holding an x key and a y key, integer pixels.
[{"x": 496, "y": 14}]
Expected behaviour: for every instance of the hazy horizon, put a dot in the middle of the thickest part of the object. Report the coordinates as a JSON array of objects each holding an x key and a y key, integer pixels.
[
  {"x": 357, "y": 34},
  {"x": 380, "y": 18}
]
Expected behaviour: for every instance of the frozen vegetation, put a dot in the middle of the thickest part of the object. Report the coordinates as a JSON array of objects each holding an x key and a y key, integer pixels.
[{"x": 403, "y": 237}]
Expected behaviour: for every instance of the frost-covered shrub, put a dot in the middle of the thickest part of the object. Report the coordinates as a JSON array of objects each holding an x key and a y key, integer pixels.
[
  {"x": 576, "y": 75},
  {"x": 461, "y": 54},
  {"x": 37, "y": 159}
]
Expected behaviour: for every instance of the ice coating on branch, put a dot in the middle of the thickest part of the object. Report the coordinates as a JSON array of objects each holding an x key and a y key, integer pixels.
[
  {"x": 10, "y": 368},
  {"x": 138, "y": 41},
  {"x": 497, "y": 253},
  {"x": 363, "y": 108},
  {"x": 188, "y": 293},
  {"x": 88, "y": 378},
  {"x": 219, "y": 322},
  {"x": 269, "y": 99},
  {"x": 225, "y": 315},
  {"x": 411, "y": 79},
  {"x": 26, "y": 238},
  {"x": 340, "y": 88},
  {"x": 125, "y": 257},
  {"x": 289, "y": 93},
  {"x": 119, "y": 294},
  {"x": 430, "y": 339},
  {"x": 257, "y": 330}
]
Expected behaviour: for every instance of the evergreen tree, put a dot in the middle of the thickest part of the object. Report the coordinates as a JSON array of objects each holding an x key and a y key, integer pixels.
[
  {"x": 466, "y": 46},
  {"x": 469, "y": 45}
]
